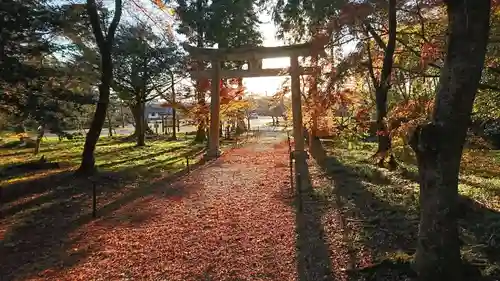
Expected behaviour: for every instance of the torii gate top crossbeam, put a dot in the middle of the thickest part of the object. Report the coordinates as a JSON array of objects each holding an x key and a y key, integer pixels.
[{"x": 252, "y": 53}]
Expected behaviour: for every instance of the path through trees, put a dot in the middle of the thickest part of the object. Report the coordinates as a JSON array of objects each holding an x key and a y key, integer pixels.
[{"x": 230, "y": 219}]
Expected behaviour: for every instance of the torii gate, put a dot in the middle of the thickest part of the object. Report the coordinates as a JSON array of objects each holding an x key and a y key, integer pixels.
[{"x": 254, "y": 56}]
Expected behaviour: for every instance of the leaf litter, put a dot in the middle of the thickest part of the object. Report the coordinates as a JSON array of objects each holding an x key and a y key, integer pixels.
[{"x": 233, "y": 219}]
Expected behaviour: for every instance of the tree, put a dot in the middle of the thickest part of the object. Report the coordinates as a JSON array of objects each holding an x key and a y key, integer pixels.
[
  {"x": 143, "y": 64},
  {"x": 383, "y": 83},
  {"x": 35, "y": 85},
  {"x": 438, "y": 145},
  {"x": 104, "y": 42}
]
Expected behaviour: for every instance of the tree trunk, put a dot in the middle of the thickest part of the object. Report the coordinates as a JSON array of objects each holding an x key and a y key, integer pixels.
[
  {"x": 438, "y": 145},
  {"x": 140, "y": 124},
  {"x": 110, "y": 127},
  {"x": 174, "y": 124},
  {"x": 174, "y": 118},
  {"x": 383, "y": 137},
  {"x": 135, "y": 114},
  {"x": 248, "y": 122},
  {"x": 88, "y": 161},
  {"x": 383, "y": 85},
  {"x": 123, "y": 116},
  {"x": 104, "y": 41}
]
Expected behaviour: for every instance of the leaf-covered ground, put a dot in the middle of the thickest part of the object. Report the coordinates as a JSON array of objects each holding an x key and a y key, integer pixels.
[
  {"x": 232, "y": 219},
  {"x": 236, "y": 218}
]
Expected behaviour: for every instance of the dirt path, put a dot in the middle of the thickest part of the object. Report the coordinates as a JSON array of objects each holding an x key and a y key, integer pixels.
[{"x": 230, "y": 220}]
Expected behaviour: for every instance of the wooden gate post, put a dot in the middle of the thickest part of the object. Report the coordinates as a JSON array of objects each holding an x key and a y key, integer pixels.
[
  {"x": 298, "y": 128},
  {"x": 213, "y": 148},
  {"x": 298, "y": 131}
]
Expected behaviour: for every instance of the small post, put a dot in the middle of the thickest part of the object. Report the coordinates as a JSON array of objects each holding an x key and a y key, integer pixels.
[
  {"x": 94, "y": 200},
  {"x": 187, "y": 164},
  {"x": 290, "y": 155},
  {"x": 299, "y": 193}
]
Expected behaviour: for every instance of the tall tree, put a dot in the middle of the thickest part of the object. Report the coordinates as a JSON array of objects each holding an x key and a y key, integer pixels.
[
  {"x": 383, "y": 83},
  {"x": 194, "y": 16},
  {"x": 34, "y": 84},
  {"x": 104, "y": 41},
  {"x": 438, "y": 144},
  {"x": 143, "y": 64}
]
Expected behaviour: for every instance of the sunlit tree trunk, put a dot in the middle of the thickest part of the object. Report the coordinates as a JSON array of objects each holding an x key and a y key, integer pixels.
[{"x": 105, "y": 43}]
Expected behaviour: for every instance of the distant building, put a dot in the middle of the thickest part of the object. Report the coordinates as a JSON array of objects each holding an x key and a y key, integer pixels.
[{"x": 157, "y": 111}]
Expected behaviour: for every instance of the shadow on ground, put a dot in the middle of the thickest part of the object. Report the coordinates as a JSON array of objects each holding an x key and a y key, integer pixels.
[
  {"x": 313, "y": 256},
  {"x": 38, "y": 216},
  {"x": 382, "y": 211}
]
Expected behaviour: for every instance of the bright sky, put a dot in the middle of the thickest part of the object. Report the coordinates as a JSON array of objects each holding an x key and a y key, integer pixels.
[{"x": 268, "y": 85}]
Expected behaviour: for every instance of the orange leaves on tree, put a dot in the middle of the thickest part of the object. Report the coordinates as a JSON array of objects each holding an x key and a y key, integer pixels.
[
  {"x": 405, "y": 116},
  {"x": 430, "y": 52}
]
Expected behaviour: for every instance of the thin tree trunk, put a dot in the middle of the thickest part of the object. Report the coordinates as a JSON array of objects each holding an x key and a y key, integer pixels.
[
  {"x": 140, "y": 129},
  {"x": 105, "y": 43},
  {"x": 123, "y": 116},
  {"x": 248, "y": 122},
  {"x": 383, "y": 85},
  {"x": 110, "y": 127},
  {"x": 438, "y": 145},
  {"x": 174, "y": 117}
]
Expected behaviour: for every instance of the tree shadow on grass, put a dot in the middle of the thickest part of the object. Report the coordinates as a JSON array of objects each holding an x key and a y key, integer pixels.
[
  {"x": 37, "y": 226},
  {"x": 376, "y": 223},
  {"x": 387, "y": 215},
  {"x": 313, "y": 256}
]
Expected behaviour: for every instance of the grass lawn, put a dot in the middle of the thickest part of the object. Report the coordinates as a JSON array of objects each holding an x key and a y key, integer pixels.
[
  {"x": 115, "y": 154},
  {"x": 380, "y": 208}
]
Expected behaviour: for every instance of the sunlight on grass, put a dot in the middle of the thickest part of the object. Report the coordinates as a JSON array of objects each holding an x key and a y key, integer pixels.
[
  {"x": 382, "y": 206},
  {"x": 479, "y": 174},
  {"x": 112, "y": 154}
]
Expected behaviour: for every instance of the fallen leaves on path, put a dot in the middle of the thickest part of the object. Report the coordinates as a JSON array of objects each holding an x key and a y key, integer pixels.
[{"x": 231, "y": 220}]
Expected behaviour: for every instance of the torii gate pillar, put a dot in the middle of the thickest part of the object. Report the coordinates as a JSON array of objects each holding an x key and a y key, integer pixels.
[
  {"x": 298, "y": 131},
  {"x": 213, "y": 142}
]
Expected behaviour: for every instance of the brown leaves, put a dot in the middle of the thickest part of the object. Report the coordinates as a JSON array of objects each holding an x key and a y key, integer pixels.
[{"x": 228, "y": 221}]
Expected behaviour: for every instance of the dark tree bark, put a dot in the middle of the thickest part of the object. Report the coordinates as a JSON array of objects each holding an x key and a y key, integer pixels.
[
  {"x": 438, "y": 145},
  {"x": 110, "y": 126},
  {"x": 383, "y": 85},
  {"x": 174, "y": 117},
  {"x": 105, "y": 45},
  {"x": 138, "y": 111}
]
